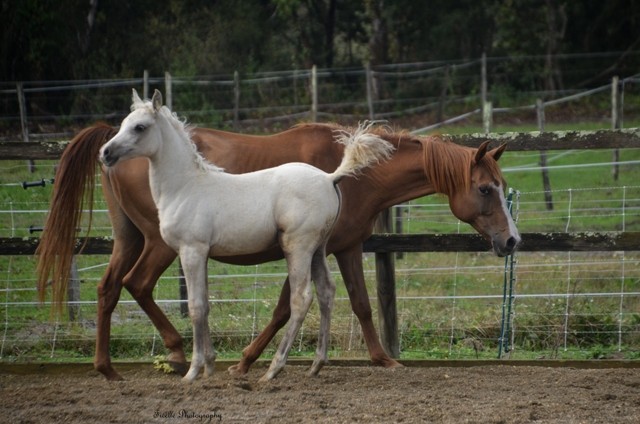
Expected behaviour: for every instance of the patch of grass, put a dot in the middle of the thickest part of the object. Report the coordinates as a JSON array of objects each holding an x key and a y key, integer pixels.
[{"x": 431, "y": 325}]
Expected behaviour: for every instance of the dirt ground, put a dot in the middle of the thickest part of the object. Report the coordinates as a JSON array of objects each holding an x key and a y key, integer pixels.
[{"x": 341, "y": 394}]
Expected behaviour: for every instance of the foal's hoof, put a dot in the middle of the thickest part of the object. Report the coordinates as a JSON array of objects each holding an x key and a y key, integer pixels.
[
  {"x": 265, "y": 379},
  {"x": 269, "y": 375},
  {"x": 315, "y": 368},
  {"x": 188, "y": 379}
]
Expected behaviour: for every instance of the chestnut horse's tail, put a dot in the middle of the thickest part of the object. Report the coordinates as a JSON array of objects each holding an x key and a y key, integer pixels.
[{"x": 73, "y": 189}]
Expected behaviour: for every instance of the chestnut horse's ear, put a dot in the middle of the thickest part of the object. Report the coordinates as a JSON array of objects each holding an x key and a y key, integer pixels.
[
  {"x": 156, "y": 101},
  {"x": 498, "y": 151},
  {"x": 482, "y": 150}
]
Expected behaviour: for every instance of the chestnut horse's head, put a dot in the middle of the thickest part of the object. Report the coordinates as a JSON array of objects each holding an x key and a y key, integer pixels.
[{"x": 472, "y": 180}]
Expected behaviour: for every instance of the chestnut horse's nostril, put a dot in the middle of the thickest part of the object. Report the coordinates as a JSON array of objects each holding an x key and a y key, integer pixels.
[{"x": 511, "y": 243}]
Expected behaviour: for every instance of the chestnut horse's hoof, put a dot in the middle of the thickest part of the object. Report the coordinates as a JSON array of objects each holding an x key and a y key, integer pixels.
[
  {"x": 109, "y": 373},
  {"x": 179, "y": 368},
  {"x": 387, "y": 362},
  {"x": 238, "y": 370}
]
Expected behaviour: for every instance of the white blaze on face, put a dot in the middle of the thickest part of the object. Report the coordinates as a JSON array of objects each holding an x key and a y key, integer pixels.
[{"x": 513, "y": 230}]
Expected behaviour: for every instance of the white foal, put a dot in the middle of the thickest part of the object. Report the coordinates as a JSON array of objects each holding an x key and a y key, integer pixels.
[{"x": 204, "y": 211}]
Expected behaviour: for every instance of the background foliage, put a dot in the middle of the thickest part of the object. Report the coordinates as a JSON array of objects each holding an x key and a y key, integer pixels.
[{"x": 80, "y": 39}]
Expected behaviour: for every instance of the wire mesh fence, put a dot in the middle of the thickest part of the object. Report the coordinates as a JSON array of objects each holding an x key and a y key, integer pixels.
[{"x": 566, "y": 304}]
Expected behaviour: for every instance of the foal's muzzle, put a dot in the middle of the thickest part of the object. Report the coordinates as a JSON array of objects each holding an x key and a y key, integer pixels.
[{"x": 107, "y": 158}]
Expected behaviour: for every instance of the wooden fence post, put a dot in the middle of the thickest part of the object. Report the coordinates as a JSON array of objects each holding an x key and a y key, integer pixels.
[
  {"x": 236, "y": 100},
  {"x": 546, "y": 183},
  {"x": 167, "y": 90},
  {"x": 487, "y": 117},
  {"x": 22, "y": 104},
  {"x": 615, "y": 122},
  {"x": 73, "y": 291},
  {"x": 442, "y": 100},
  {"x": 145, "y": 84},
  {"x": 369, "y": 82},
  {"x": 314, "y": 94},
  {"x": 483, "y": 79},
  {"x": 386, "y": 288}
]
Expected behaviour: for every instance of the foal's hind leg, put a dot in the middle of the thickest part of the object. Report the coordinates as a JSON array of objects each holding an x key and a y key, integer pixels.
[
  {"x": 325, "y": 289},
  {"x": 301, "y": 297}
]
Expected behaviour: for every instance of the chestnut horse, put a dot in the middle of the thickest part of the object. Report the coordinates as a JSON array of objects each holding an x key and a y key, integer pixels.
[
  {"x": 420, "y": 166},
  {"x": 204, "y": 211}
]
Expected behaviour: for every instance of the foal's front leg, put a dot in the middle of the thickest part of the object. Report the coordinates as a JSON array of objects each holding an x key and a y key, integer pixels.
[{"x": 194, "y": 263}]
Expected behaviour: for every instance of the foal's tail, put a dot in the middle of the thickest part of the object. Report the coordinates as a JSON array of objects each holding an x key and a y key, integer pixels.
[
  {"x": 362, "y": 148},
  {"x": 74, "y": 187}
]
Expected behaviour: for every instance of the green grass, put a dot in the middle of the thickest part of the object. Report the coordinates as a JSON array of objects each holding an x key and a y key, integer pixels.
[{"x": 431, "y": 326}]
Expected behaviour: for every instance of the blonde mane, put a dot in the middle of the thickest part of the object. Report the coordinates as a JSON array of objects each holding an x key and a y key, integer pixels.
[{"x": 185, "y": 130}]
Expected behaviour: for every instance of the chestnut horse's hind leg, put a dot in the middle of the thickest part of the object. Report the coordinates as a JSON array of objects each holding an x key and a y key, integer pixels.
[
  {"x": 108, "y": 295},
  {"x": 140, "y": 282},
  {"x": 279, "y": 319},
  {"x": 350, "y": 263},
  {"x": 325, "y": 290}
]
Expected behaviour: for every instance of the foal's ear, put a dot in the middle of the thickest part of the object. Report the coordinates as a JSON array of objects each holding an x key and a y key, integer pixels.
[
  {"x": 156, "y": 101},
  {"x": 482, "y": 150},
  {"x": 134, "y": 97},
  {"x": 498, "y": 151}
]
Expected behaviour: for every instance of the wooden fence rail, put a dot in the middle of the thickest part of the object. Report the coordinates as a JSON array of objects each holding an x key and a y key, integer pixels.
[
  {"x": 516, "y": 141},
  {"x": 384, "y": 245},
  {"x": 389, "y": 243}
]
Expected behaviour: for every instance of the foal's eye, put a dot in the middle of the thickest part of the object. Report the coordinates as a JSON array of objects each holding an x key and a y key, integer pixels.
[
  {"x": 139, "y": 128},
  {"x": 484, "y": 190}
]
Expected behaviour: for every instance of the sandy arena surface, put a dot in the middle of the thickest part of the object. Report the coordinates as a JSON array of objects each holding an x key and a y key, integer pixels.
[{"x": 341, "y": 394}]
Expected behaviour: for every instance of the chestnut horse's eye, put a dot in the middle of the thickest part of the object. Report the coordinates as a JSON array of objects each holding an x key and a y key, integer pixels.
[
  {"x": 484, "y": 190},
  {"x": 139, "y": 128}
]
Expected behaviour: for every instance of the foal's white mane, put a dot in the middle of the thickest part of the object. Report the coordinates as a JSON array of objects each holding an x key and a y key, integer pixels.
[{"x": 183, "y": 129}]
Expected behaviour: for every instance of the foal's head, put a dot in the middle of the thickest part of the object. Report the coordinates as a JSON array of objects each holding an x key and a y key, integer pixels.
[
  {"x": 474, "y": 184},
  {"x": 139, "y": 134}
]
